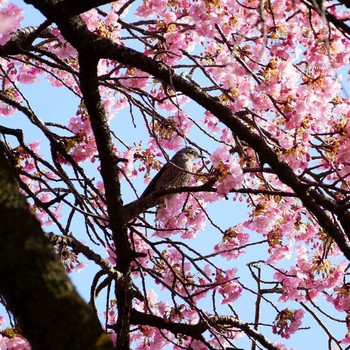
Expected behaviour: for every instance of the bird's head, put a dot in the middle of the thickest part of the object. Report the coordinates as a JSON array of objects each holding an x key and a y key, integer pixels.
[{"x": 188, "y": 153}]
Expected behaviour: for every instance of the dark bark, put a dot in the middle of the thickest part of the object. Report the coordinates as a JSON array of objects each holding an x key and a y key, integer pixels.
[{"x": 49, "y": 311}]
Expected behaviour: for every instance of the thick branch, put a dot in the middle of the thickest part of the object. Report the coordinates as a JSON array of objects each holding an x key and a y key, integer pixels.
[
  {"x": 134, "y": 208},
  {"x": 109, "y": 172},
  {"x": 104, "y": 144},
  {"x": 33, "y": 280},
  {"x": 23, "y": 38},
  {"x": 65, "y": 8}
]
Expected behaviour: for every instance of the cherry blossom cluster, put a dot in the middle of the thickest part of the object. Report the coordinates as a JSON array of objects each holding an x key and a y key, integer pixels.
[
  {"x": 10, "y": 339},
  {"x": 287, "y": 322}
]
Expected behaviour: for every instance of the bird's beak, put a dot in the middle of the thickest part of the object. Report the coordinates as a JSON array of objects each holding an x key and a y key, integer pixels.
[{"x": 201, "y": 156}]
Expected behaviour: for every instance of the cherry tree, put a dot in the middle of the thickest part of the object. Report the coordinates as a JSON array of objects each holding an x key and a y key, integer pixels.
[{"x": 254, "y": 251}]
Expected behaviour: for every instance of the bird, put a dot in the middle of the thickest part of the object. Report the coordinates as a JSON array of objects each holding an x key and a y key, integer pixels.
[{"x": 175, "y": 173}]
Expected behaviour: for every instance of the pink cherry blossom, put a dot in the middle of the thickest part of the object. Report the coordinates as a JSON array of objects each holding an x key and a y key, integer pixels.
[
  {"x": 10, "y": 19},
  {"x": 288, "y": 322}
]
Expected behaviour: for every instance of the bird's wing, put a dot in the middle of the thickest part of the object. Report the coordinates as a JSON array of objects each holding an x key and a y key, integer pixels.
[{"x": 151, "y": 186}]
